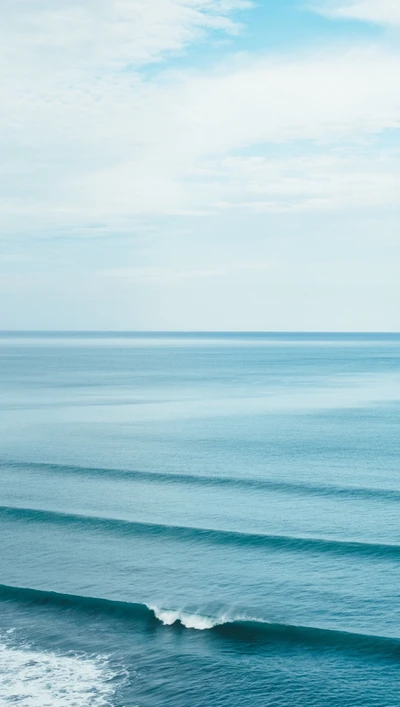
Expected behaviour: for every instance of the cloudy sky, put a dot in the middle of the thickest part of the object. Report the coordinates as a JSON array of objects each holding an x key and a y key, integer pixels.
[{"x": 200, "y": 164}]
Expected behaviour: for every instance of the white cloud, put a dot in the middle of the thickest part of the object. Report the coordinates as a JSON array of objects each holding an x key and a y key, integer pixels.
[
  {"x": 385, "y": 12},
  {"x": 144, "y": 147},
  {"x": 88, "y": 142},
  {"x": 101, "y": 136},
  {"x": 327, "y": 180},
  {"x": 158, "y": 274},
  {"x": 176, "y": 276},
  {"x": 83, "y": 34}
]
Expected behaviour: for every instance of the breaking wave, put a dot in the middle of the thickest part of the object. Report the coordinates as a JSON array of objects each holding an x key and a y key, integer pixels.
[
  {"x": 195, "y": 621},
  {"x": 237, "y": 627}
]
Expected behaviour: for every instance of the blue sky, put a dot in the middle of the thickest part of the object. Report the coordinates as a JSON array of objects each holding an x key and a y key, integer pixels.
[{"x": 198, "y": 164}]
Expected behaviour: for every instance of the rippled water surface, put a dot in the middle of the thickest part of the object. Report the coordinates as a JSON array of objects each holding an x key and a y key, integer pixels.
[{"x": 199, "y": 520}]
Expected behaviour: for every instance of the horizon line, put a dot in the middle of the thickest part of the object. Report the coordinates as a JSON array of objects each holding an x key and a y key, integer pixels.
[{"x": 198, "y": 331}]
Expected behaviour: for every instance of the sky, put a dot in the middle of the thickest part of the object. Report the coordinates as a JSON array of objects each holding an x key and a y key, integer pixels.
[{"x": 200, "y": 165}]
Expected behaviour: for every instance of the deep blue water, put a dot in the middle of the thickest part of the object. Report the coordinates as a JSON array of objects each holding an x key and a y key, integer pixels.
[{"x": 199, "y": 520}]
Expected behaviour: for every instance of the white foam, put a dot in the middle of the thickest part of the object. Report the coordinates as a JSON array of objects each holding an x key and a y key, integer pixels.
[
  {"x": 196, "y": 621},
  {"x": 31, "y": 678}
]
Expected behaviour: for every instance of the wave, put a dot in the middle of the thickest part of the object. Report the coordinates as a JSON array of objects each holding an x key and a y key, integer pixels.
[
  {"x": 228, "y": 626},
  {"x": 199, "y": 622},
  {"x": 210, "y": 536},
  {"x": 303, "y": 487}
]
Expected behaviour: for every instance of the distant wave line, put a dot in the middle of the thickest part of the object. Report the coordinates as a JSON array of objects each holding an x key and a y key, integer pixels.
[
  {"x": 227, "y": 626},
  {"x": 210, "y": 536},
  {"x": 307, "y": 488}
]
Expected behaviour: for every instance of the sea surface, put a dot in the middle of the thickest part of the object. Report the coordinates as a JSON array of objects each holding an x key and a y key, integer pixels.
[{"x": 199, "y": 520}]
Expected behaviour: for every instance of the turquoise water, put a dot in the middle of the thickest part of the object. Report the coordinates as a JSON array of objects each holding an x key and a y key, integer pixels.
[{"x": 199, "y": 520}]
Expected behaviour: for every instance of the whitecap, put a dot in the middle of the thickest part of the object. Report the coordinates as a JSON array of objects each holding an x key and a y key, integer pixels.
[
  {"x": 189, "y": 620},
  {"x": 33, "y": 678}
]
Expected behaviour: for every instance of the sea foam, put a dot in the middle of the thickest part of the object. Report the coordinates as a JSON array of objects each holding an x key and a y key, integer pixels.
[
  {"x": 195, "y": 621},
  {"x": 32, "y": 678}
]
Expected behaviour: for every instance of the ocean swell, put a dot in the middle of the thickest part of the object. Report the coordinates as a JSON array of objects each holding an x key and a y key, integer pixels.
[
  {"x": 257, "y": 483},
  {"x": 210, "y": 536},
  {"x": 237, "y": 627}
]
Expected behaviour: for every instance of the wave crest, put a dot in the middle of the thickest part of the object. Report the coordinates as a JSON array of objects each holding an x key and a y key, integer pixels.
[{"x": 194, "y": 621}]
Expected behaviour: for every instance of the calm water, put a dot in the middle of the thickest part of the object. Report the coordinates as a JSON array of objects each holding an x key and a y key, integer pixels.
[{"x": 200, "y": 521}]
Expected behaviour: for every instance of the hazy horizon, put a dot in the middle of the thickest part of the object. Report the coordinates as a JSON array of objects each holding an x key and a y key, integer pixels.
[{"x": 226, "y": 332}]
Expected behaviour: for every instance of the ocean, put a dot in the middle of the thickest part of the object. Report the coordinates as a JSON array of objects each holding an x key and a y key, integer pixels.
[{"x": 199, "y": 520}]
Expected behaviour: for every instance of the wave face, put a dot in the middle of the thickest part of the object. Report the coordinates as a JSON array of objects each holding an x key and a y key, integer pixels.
[
  {"x": 208, "y": 535},
  {"x": 213, "y": 480},
  {"x": 229, "y": 625}
]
